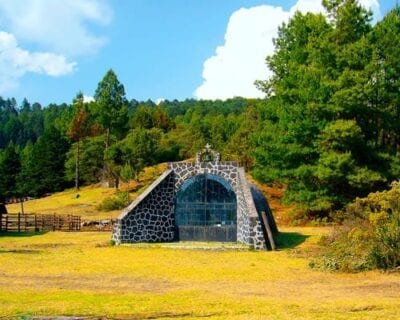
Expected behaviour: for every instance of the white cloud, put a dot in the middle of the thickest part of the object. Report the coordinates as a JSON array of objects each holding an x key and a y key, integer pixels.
[
  {"x": 87, "y": 98},
  {"x": 59, "y": 30},
  {"x": 248, "y": 40},
  {"x": 304, "y": 6},
  {"x": 15, "y": 62},
  {"x": 159, "y": 100},
  {"x": 56, "y": 25},
  {"x": 374, "y": 6}
]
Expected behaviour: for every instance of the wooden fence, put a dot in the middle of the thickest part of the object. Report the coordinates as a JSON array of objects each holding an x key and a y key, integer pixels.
[{"x": 19, "y": 222}]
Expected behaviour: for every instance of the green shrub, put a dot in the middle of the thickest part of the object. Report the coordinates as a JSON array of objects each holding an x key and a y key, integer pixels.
[
  {"x": 386, "y": 249},
  {"x": 119, "y": 201},
  {"x": 369, "y": 237}
]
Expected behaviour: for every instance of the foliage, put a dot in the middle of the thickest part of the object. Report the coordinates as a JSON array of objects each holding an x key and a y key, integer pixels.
[
  {"x": 119, "y": 201},
  {"x": 43, "y": 171},
  {"x": 91, "y": 161},
  {"x": 10, "y": 165},
  {"x": 171, "y": 131},
  {"x": 79, "y": 128},
  {"x": 369, "y": 237},
  {"x": 329, "y": 128},
  {"x": 127, "y": 158},
  {"x": 111, "y": 105},
  {"x": 240, "y": 130},
  {"x": 89, "y": 197}
]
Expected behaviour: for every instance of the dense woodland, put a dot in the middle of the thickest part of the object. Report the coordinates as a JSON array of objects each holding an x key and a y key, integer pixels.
[{"x": 328, "y": 129}]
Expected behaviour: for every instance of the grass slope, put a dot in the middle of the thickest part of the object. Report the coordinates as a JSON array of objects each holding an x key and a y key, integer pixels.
[
  {"x": 67, "y": 202},
  {"x": 80, "y": 274}
]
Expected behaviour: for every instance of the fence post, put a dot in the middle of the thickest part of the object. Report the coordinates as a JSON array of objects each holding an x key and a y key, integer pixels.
[
  {"x": 25, "y": 221},
  {"x": 36, "y": 226},
  {"x": 1, "y": 221},
  {"x": 19, "y": 221},
  {"x": 6, "y": 223},
  {"x": 54, "y": 222}
]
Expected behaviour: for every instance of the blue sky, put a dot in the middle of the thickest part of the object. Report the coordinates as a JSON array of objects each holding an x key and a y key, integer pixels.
[{"x": 160, "y": 49}]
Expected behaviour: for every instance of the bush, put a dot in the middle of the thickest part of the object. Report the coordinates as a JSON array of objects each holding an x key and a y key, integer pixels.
[
  {"x": 369, "y": 237},
  {"x": 119, "y": 201}
]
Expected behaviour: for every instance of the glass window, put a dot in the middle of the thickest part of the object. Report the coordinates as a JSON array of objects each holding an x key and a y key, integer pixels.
[{"x": 206, "y": 200}]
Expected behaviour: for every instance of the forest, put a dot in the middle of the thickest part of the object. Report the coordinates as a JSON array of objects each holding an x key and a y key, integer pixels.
[{"x": 328, "y": 128}]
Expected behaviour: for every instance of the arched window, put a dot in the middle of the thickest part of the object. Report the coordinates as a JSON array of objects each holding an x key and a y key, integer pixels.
[{"x": 205, "y": 200}]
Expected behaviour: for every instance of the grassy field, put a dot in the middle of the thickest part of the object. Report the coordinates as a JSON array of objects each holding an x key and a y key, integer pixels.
[
  {"x": 81, "y": 274},
  {"x": 67, "y": 202}
]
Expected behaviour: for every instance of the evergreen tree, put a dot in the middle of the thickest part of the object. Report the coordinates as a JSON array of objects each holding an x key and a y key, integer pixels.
[
  {"x": 91, "y": 161},
  {"x": 111, "y": 110},
  {"x": 240, "y": 143},
  {"x": 111, "y": 106},
  {"x": 48, "y": 159},
  {"x": 128, "y": 157},
  {"x": 319, "y": 122},
  {"x": 10, "y": 166},
  {"x": 25, "y": 182},
  {"x": 79, "y": 128},
  {"x": 142, "y": 118}
]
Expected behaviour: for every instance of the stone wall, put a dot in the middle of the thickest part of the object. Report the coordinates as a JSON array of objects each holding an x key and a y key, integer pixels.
[
  {"x": 185, "y": 170},
  {"x": 250, "y": 229},
  {"x": 150, "y": 218},
  {"x": 243, "y": 221}
]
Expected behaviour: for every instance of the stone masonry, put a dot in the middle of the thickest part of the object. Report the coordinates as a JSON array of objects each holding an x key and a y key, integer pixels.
[{"x": 151, "y": 217}]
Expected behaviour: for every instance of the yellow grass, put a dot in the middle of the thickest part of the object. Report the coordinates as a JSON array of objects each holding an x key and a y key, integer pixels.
[
  {"x": 67, "y": 202},
  {"x": 81, "y": 274}
]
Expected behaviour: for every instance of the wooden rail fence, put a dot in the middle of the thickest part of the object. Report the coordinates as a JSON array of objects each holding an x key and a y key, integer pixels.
[{"x": 19, "y": 222}]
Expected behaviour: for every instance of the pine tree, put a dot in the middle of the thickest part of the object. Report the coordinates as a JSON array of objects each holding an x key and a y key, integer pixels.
[
  {"x": 47, "y": 173},
  {"x": 79, "y": 128},
  {"x": 111, "y": 110},
  {"x": 10, "y": 166},
  {"x": 111, "y": 106}
]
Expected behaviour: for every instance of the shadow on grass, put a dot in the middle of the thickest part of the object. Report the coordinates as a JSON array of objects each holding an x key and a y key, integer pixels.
[
  {"x": 20, "y": 251},
  {"x": 15, "y": 234},
  {"x": 289, "y": 240}
]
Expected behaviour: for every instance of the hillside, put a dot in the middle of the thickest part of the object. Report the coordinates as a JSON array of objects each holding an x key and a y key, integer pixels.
[{"x": 85, "y": 205}]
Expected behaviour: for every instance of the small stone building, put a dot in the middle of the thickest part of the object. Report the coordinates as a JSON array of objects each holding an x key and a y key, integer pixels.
[{"x": 208, "y": 200}]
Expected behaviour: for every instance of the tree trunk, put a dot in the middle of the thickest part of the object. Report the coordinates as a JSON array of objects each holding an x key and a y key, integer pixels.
[
  {"x": 106, "y": 173},
  {"x": 107, "y": 138},
  {"x": 117, "y": 182},
  {"x": 77, "y": 160}
]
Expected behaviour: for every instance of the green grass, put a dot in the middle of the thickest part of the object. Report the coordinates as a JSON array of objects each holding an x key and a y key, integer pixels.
[{"x": 82, "y": 274}]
